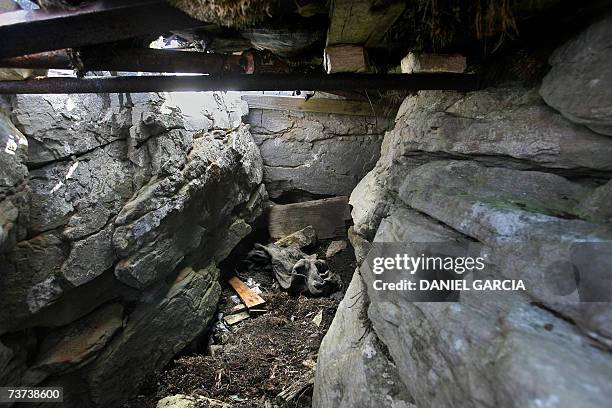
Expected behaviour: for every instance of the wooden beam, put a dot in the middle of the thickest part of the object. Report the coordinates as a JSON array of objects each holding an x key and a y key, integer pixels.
[
  {"x": 317, "y": 105},
  {"x": 104, "y": 58},
  {"x": 328, "y": 217},
  {"x": 31, "y": 31},
  {"x": 345, "y": 58},
  {"x": 357, "y": 22},
  {"x": 248, "y": 297},
  {"x": 414, "y": 63}
]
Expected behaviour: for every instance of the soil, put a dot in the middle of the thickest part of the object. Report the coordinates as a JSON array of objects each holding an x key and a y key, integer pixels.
[{"x": 257, "y": 358}]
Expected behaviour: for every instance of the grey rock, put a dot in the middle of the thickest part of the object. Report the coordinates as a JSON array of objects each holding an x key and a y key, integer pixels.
[
  {"x": 122, "y": 201},
  {"x": 173, "y": 216},
  {"x": 580, "y": 81},
  {"x": 353, "y": 369},
  {"x": 6, "y": 354},
  {"x": 89, "y": 258},
  {"x": 597, "y": 206},
  {"x": 70, "y": 347},
  {"x": 509, "y": 127},
  {"x": 461, "y": 168},
  {"x": 300, "y": 239},
  {"x": 516, "y": 215},
  {"x": 315, "y": 153},
  {"x": 29, "y": 278},
  {"x": 486, "y": 349},
  {"x": 180, "y": 311},
  {"x": 60, "y": 126},
  {"x": 14, "y": 195}
]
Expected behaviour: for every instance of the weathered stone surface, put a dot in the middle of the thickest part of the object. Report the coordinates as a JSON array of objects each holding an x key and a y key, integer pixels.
[
  {"x": 180, "y": 311},
  {"x": 353, "y": 370},
  {"x": 486, "y": 167},
  {"x": 59, "y": 126},
  {"x": 176, "y": 212},
  {"x": 314, "y": 152},
  {"x": 509, "y": 127},
  {"x": 13, "y": 192},
  {"x": 516, "y": 215},
  {"x": 122, "y": 199},
  {"x": 72, "y": 346},
  {"x": 597, "y": 206},
  {"x": 580, "y": 81}
]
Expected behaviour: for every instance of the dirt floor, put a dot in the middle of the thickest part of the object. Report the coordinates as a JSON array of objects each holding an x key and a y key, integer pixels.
[{"x": 256, "y": 359}]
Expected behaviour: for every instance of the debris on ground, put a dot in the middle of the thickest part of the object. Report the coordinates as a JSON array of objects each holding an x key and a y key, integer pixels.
[
  {"x": 295, "y": 271},
  {"x": 294, "y": 390},
  {"x": 263, "y": 356},
  {"x": 246, "y": 294},
  {"x": 259, "y": 358}
]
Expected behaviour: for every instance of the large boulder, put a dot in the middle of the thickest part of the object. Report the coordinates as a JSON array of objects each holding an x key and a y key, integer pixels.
[
  {"x": 130, "y": 210},
  {"x": 499, "y": 169},
  {"x": 579, "y": 84}
]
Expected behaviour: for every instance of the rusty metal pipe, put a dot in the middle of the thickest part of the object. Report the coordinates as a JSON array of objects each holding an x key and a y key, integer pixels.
[{"x": 234, "y": 82}]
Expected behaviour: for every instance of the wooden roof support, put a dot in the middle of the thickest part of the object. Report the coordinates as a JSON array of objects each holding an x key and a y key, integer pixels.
[
  {"x": 31, "y": 31},
  {"x": 134, "y": 60},
  {"x": 358, "y": 22},
  {"x": 241, "y": 82}
]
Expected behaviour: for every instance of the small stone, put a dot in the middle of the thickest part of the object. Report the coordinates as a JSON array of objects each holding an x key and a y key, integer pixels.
[
  {"x": 299, "y": 239},
  {"x": 334, "y": 248}
]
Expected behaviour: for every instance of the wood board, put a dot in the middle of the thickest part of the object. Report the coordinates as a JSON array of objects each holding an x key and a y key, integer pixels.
[
  {"x": 248, "y": 297},
  {"x": 328, "y": 217}
]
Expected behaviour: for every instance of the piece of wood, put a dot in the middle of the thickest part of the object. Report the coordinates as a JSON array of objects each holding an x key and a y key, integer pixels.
[
  {"x": 415, "y": 63},
  {"x": 345, "y": 58},
  {"x": 236, "y": 309},
  {"x": 236, "y": 318},
  {"x": 358, "y": 22},
  {"x": 328, "y": 217},
  {"x": 249, "y": 298},
  {"x": 318, "y": 105},
  {"x": 295, "y": 389}
]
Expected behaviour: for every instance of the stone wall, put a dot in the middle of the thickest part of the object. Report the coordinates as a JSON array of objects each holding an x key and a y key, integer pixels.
[
  {"x": 503, "y": 168},
  {"x": 317, "y": 153},
  {"x": 113, "y": 219}
]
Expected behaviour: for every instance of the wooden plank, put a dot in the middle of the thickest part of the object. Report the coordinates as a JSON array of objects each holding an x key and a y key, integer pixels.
[
  {"x": 345, "y": 58},
  {"x": 431, "y": 63},
  {"x": 357, "y": 22},
  {"x": 316, "y": 105},
  {"x": 236, "y": 318},
  {"x": 249, "y": 298},
  {"x": 328, "y": 217}
]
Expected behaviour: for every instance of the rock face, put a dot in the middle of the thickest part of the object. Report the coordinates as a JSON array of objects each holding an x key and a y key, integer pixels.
[
  {"x": 109, "y": 242},
  {"x": 315, "y": 153},
  {"x": 580, "y": 81},
  {"x": 500, "y": 168}
]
